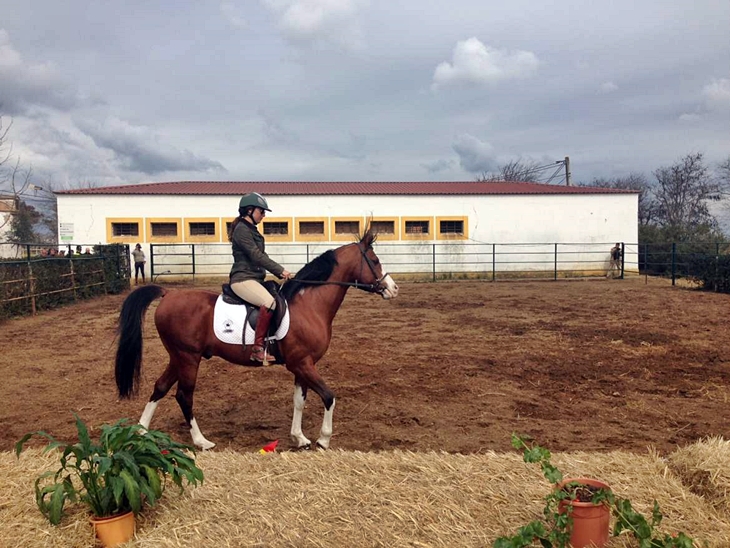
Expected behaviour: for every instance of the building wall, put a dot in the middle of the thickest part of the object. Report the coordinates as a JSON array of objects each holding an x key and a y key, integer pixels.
[{"x": 599, "y": 219}]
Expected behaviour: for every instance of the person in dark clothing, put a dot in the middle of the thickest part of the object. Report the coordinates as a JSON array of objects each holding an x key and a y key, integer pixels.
[
  {"x": 139, "y": 261},
  {"x": 615, "y": 267},
  {"x": 250, "y": 263}
]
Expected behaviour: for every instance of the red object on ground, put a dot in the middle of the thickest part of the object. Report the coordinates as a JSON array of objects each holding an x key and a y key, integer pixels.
[{"x": 269, "y": 447}]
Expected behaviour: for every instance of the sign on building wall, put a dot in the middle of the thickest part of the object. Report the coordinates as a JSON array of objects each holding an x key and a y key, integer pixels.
[{"x": 66, "y": 231}]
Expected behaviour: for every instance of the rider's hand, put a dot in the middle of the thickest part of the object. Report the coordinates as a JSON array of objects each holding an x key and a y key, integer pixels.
[{"x": 286, "y": 275}]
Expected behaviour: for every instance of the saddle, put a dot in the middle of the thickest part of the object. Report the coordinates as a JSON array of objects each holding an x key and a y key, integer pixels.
[{"x": 252, "y": 311}]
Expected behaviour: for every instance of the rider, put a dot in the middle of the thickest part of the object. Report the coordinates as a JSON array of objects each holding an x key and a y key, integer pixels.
[{"x": 250, "y": 263}]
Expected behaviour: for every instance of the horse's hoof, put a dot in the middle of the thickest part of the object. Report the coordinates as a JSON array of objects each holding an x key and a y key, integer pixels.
[
  {"x": 320, "y": 446},
  {"x": 205, "y": 446},
  {"x": 305, "y": 447}
]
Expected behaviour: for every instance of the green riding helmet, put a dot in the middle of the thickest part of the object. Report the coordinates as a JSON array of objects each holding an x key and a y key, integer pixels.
[{"x": 253, "y": 199}]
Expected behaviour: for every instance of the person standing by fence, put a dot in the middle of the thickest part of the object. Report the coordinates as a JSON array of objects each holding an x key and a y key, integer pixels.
[
  {"x": 614, "y": 268},
  {"x": 139, "y": 261}
]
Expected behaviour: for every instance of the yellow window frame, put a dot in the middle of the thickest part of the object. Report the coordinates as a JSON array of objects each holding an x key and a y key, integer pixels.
[
  {"x": 422, "y": 236},
  {"x": 164, "y": 239},
  {"x": 345, "y": 237},
  {"x": 202, "y": 238},
  {"x": 450, "y": 236},
  {"x": 110, "y": 238},
  {"x": 311, "y": 237},
  {"x": 382, "y": 237},
  {"x": 289, "y": 237}
]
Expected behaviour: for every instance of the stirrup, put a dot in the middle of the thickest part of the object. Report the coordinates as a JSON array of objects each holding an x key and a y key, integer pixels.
[{"x": 259, "y": 354}]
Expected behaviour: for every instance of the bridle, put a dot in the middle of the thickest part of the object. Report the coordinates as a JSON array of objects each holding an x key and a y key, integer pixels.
[{"x": 375, "y": 287}]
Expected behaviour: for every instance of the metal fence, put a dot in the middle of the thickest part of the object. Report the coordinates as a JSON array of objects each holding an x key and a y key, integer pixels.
[
  {"x": 39, "y": 277},
  {"x": 452, "y": 260}
]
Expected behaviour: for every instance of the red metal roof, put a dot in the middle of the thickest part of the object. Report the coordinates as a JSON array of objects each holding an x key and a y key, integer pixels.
[{"x": 283, "y": 188}]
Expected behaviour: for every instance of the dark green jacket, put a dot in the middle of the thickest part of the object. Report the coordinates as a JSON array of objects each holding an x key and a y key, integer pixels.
[{"x": 250, "y": 261}]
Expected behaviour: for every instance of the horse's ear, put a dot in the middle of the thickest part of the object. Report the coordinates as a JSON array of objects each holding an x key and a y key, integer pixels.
[{"x": 369, "y": 237}]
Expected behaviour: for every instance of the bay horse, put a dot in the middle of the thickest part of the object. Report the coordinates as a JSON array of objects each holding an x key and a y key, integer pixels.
[{"x": 184, "y": 321}]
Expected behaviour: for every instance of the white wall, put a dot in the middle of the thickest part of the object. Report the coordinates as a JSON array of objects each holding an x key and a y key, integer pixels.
[{"x": 597, "y": 219}]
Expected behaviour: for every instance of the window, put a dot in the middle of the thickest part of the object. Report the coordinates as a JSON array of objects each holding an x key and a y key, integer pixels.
[
  {"x": 311, "y": 227},
  {"x": 125, "y": 229},
  {"x": 383, "y": 227},
  {"x": 276, "y": 228},
  {"x": 163, "y": 230},
  {"x": 452, "y": 228},
  {"x": 417, "y": 227},
  {"x": 202, "y": 229},
  {"x": 347, "y": 227}
]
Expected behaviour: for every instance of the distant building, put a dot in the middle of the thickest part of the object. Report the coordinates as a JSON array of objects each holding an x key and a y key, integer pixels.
[
  {"x": 7, "y": 209},
  {"x": 325, "y": 214}
]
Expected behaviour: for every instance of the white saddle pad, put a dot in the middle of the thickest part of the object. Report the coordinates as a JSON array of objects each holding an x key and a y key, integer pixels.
[{"x": 228, "y": 320}]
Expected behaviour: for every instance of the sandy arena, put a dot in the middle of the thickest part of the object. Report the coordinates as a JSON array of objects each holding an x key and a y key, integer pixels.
[{"x": 580, "y": 365}]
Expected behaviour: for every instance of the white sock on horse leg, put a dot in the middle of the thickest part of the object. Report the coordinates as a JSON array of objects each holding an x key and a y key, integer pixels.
[
  {"x": 198, "y": 438},
  {"x": 325, "y": 434},
  {"x": 149, "y": 411},
  {"x": 296, "y": 424}
]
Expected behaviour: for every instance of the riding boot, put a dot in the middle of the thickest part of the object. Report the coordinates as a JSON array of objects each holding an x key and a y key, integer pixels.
[{"x": 258, "y": 354}]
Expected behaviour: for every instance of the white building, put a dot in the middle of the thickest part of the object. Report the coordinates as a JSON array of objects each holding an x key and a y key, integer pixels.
[
  {"x": 470, "y": 226},
  {"x": 7, "y": 208}
]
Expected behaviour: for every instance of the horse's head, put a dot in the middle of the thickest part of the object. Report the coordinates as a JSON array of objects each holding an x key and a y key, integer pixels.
[{"x": 369, "y": 271}]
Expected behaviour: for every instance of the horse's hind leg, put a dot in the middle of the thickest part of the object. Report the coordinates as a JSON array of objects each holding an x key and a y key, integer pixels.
[
  {"x": 300, "y": 397},
  {"x": 188, "y": 374},
  {"x": 162, "y": 387}
]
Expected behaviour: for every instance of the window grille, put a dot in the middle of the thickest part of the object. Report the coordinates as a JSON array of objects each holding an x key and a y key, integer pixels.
[
  {"x": 416, "y": 227},
  {"x": 125, "y": 229},
  {"x": 311, "y": 227},
  {"x": 451, "y": 227},
  {"x": 164, "y": 229},
  {"x": 202, "y": 229}
]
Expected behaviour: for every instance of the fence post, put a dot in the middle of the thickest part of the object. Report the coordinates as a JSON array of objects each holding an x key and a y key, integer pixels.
[
  {"x": 152, "y": 265},
  {"x": 193, "y": 246},
  {"x": 27, "y": 252},
  {"x": 555, "y": 266},
  {"x": 31, "y": 286},
  {"x": 433, "y": 261},
  {"x": 307, "y": 252},
  {"x": 73, "y": 277},
  {"x": 674, "y": 261},
  {"x": 494, "y": 262}
]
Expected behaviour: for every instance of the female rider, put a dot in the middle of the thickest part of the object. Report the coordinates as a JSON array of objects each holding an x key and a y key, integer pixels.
[{"x": 250, "y": 263}]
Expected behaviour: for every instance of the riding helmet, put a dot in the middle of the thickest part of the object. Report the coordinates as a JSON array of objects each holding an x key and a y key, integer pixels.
[{"x": 253, "y": 199}]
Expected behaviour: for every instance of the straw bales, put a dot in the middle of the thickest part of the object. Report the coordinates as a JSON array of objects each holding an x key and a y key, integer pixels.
[
  {"x": 704, "y": 468},
  {"x": 339, "y": 498}
]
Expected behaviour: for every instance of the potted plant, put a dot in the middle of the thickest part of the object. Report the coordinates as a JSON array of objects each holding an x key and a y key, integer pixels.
[
  {"x": 577, "y": 512},
  {"x": 115, "y": 478}
]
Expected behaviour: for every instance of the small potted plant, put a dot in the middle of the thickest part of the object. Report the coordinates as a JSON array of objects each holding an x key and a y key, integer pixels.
[
  {"x": 578, "y": 510},
  {"x": 115, "y": 478}
]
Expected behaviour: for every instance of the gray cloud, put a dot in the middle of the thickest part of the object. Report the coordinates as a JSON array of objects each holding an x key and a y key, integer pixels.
[
  {"x": 438, "y": 166},
  {"x": 475, "y": 156},
  {"x": 24, "y": 85},
  {"x": 137, "y": 149}
]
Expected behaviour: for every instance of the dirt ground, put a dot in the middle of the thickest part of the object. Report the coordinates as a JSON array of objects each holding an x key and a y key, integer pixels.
[{"x": 590, "y": 365}]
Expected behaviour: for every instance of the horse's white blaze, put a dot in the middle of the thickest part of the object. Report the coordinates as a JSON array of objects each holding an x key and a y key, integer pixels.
[
  {"x": 391, "y": 288},
  {"x": 325, "y": 434},
  {"x": 198, "y": 438},
  {"x": 149, "y": 411},
  {"x": 296, "y": 423}
]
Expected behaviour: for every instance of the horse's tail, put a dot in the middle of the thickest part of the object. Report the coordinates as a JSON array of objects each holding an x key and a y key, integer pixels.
[{"x": 129, "y": 330}]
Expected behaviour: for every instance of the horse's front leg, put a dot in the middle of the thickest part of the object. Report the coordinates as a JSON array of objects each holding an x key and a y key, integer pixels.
[
  {"x": 300, "y": 398},
  {"x": 307, "y": 376}
]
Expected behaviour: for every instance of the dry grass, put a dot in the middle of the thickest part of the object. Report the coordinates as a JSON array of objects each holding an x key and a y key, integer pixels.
[
  {"x": 704, "y": 469},
  {"x": 342, "y": 498}
]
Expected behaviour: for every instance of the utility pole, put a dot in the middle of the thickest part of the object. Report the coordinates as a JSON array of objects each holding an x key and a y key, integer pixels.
[{"x": 567, "y": 171}]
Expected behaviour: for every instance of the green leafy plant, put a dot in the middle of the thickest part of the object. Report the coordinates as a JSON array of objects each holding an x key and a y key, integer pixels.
[
  {"x": 554, "y": 531},
  {"x": 128, "y": 468}
]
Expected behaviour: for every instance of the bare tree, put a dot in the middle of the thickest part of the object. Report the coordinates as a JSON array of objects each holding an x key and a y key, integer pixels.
[
  {"x": 15, "y": 182},
  {"x": 683, "y": 193},
  {"x": 525, "y": 171}
]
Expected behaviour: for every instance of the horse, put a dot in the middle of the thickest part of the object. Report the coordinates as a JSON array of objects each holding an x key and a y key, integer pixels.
[{"x": 184, "y": 322}]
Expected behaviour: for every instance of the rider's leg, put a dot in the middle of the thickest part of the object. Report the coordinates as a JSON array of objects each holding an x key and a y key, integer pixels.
[{"x": 256, "y": 294}]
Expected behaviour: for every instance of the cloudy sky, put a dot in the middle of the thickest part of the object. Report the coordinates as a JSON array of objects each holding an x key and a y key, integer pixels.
[{"x": 360, "y": 89}]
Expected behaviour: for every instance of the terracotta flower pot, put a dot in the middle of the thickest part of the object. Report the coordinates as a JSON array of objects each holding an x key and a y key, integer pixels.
[
  {"x": 114, "y": 530},
  {"x": 590, "y": 521}
]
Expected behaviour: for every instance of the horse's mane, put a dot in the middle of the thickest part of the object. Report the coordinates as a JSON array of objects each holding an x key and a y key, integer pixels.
[
  {"x": 317, "y": 270},
  {"x": 320, "y": 269}
]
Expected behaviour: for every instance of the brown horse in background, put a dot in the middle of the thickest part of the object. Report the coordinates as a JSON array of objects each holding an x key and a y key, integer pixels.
[{"x": 184, "y": 321}]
